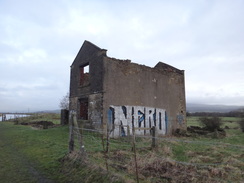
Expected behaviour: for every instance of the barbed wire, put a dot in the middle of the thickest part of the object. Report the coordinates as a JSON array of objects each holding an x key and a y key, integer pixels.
[
  {"x": 99, "y": 145},
  {"x": 170, "y": 139}
]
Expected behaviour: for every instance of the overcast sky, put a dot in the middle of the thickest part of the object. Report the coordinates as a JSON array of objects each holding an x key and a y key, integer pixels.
[{"x": 40, "y": 39}]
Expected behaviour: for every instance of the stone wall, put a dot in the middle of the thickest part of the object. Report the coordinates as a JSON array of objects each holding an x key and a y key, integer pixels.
[{"x": 130, "y": 84}]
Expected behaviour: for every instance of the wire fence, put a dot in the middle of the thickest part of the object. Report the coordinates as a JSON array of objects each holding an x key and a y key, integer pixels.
[{"x": 159, "y": 159}]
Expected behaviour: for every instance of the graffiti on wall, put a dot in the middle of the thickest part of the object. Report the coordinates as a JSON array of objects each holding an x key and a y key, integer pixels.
[
  {"x": 121, "y": 119},
  {"x": 180, "y": 118}
]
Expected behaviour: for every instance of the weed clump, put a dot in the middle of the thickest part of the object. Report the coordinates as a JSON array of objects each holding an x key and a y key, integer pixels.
[{"x": 211, "y": 124}]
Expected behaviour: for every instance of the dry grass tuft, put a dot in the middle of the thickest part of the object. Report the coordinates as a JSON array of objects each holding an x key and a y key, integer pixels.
[
  {"x": 153, "y": 168},
  {"x": 167, "y": 150},
  {"x": 202, "y": 159}
]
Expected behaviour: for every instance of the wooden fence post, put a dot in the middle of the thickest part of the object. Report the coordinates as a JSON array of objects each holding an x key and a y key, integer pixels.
[
  {"x": 134, "y": 149},
  {"x": 128, "y": 133},
  {"x": 71, "y": 132},
  {"x": 106, "y": 151},
  {"x": 154, "y": 137}
]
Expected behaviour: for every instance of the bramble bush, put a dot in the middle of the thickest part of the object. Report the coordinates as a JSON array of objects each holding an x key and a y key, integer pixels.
[
  {"x": 241, "y": 123},
  {"x": 212, "y": 123}
]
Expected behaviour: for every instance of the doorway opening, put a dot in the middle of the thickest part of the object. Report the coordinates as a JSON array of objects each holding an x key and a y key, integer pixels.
[{"x": 84, "y": 108}]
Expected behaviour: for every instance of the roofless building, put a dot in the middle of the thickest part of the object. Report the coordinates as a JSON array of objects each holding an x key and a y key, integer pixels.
[{"x": 117, "y": 94}]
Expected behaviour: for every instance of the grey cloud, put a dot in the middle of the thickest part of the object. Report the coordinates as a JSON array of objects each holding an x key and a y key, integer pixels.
[{"x": 40, "y": 39}]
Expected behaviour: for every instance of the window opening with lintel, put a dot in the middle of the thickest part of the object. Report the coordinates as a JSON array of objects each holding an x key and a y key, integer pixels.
[{"x": 84, "y": 75}]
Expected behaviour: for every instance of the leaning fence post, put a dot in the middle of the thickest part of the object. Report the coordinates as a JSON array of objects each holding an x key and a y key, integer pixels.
[
  {"x": 128, "y": 133},
  {"x": 71, "y": 132},
  {"x": 154, "y": 139}
]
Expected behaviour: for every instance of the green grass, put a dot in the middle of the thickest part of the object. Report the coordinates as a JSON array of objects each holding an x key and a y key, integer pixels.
[
  {"x": 201, "y": 151},
  {"x": 32, "y": 155},
  {"x": 43, "y": 148},
  {"x": 192, "y": 121},
  {"x": 12, "y": 167},
  {"x": 231, "y": 122},
  {"x": 28, "y": 154}
]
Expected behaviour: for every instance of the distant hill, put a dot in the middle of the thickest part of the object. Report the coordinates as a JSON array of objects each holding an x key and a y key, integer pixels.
[
  {"x": 190, "y": 107},
  {"x": 211, "y": 108}
]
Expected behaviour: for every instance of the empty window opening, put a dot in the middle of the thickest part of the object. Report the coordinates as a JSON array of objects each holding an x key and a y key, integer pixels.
[
  {"x": 84, "y": 75},
  {"x": 86, "y": 69}
]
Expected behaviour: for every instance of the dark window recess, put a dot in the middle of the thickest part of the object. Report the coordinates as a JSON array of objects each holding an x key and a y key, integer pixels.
[
  {"x": 84, "y": 75},
  {"x": 84, "y": 109}
]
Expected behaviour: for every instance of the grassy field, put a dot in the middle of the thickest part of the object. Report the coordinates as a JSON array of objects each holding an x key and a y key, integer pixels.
[
  {"x": 53, "y": 117},
  {"x": 28, "y": 154},
  {"x": 229, "y": 121},
  {"x": 195, "y": 158}
]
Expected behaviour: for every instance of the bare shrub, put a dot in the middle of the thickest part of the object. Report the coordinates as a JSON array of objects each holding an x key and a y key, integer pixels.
[
  {"x": 64, "y": 102},
  {"x": 212, "y": 123}
]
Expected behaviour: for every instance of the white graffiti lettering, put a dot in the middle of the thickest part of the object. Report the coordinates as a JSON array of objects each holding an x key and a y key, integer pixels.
[{"x": 121, "y": 119}]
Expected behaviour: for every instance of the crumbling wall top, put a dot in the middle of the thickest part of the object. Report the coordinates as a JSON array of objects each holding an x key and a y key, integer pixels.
[{"x": 165, "y": 67}]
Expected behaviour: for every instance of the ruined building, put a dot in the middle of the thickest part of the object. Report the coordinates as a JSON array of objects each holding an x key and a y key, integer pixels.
[{"x": 114, "y": 95}]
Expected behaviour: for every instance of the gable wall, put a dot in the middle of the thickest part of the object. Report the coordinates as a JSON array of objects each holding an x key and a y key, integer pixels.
[
  {"x": 87, "y": 55},
  {"x": 92, "y": 91}
]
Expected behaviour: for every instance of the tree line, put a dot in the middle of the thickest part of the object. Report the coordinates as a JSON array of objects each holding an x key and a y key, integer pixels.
[{"x": 219, "y": 114}]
